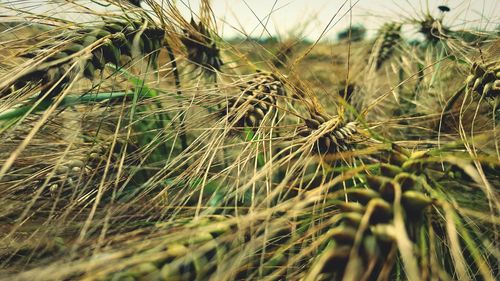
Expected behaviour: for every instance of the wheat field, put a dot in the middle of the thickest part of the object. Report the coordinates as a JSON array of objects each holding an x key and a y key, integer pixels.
[{"x": 137, "y": 143}]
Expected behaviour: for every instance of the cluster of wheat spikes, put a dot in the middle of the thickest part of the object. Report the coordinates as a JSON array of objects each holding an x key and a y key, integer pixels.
[{"x": 139, "y": 145}]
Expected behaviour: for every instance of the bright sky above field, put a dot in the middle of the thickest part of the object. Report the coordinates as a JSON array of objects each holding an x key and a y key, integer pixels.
[{"x": 311, "y": 19}]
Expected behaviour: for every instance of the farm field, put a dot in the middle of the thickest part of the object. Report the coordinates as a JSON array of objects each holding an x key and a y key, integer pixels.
[{"x": 137, "y": 143}]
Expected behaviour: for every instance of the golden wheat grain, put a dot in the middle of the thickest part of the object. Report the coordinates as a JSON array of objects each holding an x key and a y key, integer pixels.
[
  {"x": 258, "y": 98},
  {"x": 485, "y": 79},
  {"x": 201, "y": 47},
  {"x": 331, "y": 136}
]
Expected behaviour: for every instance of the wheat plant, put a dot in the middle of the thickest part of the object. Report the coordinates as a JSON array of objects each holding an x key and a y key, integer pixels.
[{"x": 138, "y": 144}]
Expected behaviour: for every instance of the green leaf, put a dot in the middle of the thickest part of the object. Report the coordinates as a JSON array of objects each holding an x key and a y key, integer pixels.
[{"x": 31, "y": 107}]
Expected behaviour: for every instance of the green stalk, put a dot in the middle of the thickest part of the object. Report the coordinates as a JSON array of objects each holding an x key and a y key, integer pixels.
[{"x": 67, "y": 101}]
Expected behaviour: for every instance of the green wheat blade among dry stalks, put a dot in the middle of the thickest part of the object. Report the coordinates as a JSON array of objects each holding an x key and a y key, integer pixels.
[{"x": 138, "y": 144}]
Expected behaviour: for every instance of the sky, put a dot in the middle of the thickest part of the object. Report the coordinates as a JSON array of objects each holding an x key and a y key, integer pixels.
[{"x": 312, "y": 19}]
